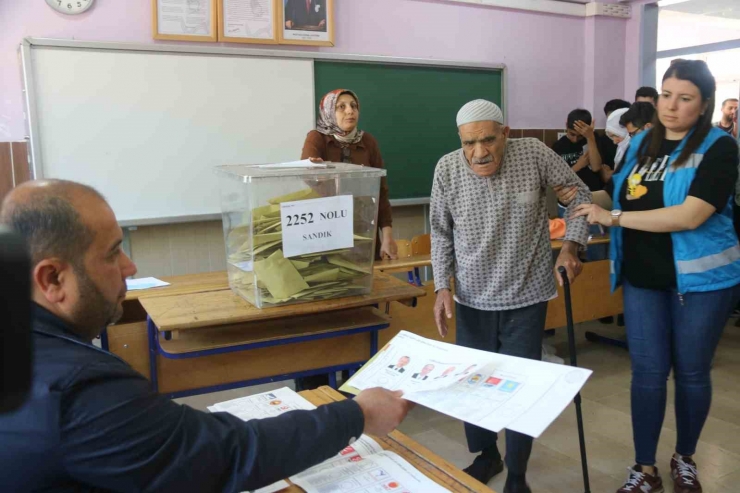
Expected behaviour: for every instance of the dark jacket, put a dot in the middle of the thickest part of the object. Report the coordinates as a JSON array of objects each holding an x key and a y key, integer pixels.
[{"x": 92, "y": 424}]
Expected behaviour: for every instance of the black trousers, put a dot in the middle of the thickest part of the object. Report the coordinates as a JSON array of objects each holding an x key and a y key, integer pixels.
[{"x": 515, "y": 333}]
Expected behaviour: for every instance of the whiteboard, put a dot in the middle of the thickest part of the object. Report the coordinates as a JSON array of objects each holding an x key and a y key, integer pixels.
[{"x": 146, "y": 128}]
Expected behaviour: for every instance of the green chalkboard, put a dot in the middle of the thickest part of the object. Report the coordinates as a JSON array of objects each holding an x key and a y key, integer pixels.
[{"x": 411, "y": 110}]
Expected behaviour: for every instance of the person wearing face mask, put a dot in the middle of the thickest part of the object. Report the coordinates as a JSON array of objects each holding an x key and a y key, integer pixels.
[
  {"x": 676, "y": 255},
  {"x": 490, "y": 231},
  {"x": 337, "y": 138}
]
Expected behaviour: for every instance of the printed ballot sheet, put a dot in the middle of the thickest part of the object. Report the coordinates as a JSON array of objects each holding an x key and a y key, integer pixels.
[
  {"x": 264, "y": 405},
  {"x": 489, "y": 390},
  {"x": 363, "y": 464},
  {"x": 377, "y": 473}
]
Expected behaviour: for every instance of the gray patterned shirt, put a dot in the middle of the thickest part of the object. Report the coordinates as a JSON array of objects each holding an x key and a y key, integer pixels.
[{"x": 492, "y": 233}]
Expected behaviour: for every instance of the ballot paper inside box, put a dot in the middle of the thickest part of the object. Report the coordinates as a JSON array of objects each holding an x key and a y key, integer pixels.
[{"x": 299, "y": 232}]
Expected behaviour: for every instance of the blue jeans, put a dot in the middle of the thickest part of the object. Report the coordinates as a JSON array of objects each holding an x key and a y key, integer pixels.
[
  {"x": 515, "y": 333},
  {"x": 663, "y": 333}
]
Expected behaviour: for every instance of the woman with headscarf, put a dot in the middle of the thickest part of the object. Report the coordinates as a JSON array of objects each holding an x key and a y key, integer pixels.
[
  {"x": 337, "y": 138},
  {"x": 618, "y": 134}
]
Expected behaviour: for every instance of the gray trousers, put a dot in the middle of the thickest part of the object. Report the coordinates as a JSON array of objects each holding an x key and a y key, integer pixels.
[{"x": 515, "y": 333}]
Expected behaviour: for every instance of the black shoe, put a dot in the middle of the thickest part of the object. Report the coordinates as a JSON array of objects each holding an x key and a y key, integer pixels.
[
  {"x": 484, "y": 468},
  {"x": 607, "y": 320},
  {"x": 516, "y": 484}
]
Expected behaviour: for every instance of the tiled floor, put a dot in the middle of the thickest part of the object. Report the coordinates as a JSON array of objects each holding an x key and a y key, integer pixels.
[{"x": 555, "y": 465}]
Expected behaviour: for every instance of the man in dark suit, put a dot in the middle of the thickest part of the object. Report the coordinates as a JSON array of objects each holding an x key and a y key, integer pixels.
[
  {"x": 424, "y": 373},
  {"x": 92, "y": 423},
  {"x": 399, "y": 367},
  {"x": 305, "y": 14}
]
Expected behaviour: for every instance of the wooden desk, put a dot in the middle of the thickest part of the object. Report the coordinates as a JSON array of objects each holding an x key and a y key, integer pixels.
[
  {"x": 427, "y": 462},
  {"x": 246, "y": 346}
]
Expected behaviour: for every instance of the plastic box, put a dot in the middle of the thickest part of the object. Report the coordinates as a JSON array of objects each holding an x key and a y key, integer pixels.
[{"x": 299, "y": 234}]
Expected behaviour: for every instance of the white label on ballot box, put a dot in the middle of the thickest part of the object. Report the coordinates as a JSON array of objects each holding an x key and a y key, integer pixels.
[{"x": 317, "y": 225}]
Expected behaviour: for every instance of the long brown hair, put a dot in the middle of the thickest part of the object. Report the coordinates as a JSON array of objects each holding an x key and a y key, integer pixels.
[{"x": 697, "y": 72}]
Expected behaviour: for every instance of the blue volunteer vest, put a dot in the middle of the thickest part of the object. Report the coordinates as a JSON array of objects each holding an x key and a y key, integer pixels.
[{"x": 707, "y": 258}]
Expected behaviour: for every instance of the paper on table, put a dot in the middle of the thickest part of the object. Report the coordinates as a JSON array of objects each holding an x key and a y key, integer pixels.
[
  {"x": 489, "y": 390},
  {"x": 306, "y": 163},
  {"x": 144, "y": 283},
  {"x": 280, "y": 277},
  {"x": 383, "y": 471},
  {"x": 264, "y": 405}
]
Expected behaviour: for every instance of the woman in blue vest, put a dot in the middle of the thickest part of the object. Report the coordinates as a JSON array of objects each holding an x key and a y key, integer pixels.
[{"x": 676, "y": 255}]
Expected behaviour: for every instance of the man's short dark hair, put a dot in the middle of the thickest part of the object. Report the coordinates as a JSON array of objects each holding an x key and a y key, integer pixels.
[
  {"x": 729, "y": 100},
  {"x": 49, "y": 222},
  {"x": 639, "y": 114},
  {"x": 647, "y": 92},
  {"x": 614, "y": 105},
  {"x": 579, "y": 114}
]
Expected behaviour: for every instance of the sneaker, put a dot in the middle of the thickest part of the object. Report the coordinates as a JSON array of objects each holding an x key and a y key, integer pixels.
[
  {"x": 484, "y": 468},
  {"x": 640, "y": 482},
  {"x": 685, "y": 476}
]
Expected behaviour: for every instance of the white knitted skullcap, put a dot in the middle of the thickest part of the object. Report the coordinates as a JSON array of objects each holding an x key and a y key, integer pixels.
[{"x": 478, "y": 111}]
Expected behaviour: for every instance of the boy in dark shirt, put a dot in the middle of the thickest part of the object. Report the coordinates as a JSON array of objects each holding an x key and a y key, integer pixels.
[{"x": 580, "y": 148}]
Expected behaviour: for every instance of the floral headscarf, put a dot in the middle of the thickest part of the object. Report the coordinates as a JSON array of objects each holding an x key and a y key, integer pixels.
[{"x": 326, "y": 123}]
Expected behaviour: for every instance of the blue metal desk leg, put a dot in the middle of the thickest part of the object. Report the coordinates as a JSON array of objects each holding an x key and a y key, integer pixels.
[
  {"x": 417, "y": 278},
  {"x": 373, "y": 342},
  {"x": 104, "y": 339},
  {"x": 151, "y": 330}
]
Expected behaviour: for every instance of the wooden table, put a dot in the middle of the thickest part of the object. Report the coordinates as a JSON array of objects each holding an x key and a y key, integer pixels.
[
  {"x": 187, "y": 326},
  {"x": 427, "y": 462}
]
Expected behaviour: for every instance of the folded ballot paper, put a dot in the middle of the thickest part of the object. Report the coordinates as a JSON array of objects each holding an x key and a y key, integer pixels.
[
  {"x": 489, "y": 390},
  {"x": 363, "y": 466},
  {"x": 257, "y": 255}
]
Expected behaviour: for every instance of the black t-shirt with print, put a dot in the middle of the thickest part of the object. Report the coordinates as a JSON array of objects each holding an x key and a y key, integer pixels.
[
  {"x": 648, "y": 257},
  {"x": 571, "y": 153}
]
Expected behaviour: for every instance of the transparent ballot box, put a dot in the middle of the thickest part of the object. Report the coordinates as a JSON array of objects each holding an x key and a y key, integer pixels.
[{"x": 299, "y": 232}]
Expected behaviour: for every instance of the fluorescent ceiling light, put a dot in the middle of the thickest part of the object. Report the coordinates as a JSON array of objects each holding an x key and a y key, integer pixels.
[{"x": 666, "y": 3}]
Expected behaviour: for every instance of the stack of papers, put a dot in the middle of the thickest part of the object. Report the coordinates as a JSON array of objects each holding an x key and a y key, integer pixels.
[
  {"x": 362, "y": 466},
  {"x": 307, "y": 277},
  {"x": 144, "y": 283}
]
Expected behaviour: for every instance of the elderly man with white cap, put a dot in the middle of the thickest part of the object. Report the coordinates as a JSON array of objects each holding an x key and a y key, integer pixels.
[{"x": 490, "y": 231}]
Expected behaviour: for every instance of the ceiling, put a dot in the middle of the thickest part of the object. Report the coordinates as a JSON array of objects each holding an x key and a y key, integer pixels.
[{"x": 729, "y": 9}]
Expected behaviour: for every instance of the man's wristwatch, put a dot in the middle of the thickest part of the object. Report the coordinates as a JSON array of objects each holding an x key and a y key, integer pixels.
[{"x": 616, "y": 215}]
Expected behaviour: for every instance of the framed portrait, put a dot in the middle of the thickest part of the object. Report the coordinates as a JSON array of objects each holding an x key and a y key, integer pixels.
[{"x": 307, "y": 22}]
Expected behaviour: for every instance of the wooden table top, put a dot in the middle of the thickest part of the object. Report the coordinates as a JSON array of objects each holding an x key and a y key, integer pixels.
[
  {"x": 427, "y": 462},
  {"x": 222, "y": 307}
]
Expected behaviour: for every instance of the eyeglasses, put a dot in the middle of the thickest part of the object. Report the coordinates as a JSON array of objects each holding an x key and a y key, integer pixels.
[
  {"x": 632, "y": 134},
  {"x": 346, "y": 155}
]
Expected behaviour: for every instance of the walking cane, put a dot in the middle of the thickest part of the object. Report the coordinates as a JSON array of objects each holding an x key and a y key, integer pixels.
[{"x": 573, "y": 362}]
